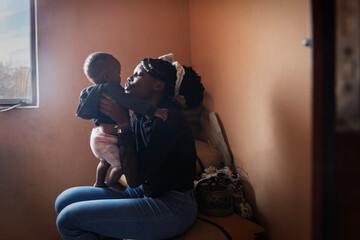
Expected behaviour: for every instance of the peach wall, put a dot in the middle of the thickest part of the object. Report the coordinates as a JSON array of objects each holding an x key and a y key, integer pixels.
[
  {"x": 257, "y": 78},
  {"x": 46, "y": 150}
]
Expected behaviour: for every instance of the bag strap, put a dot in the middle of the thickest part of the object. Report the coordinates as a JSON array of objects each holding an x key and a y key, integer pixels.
[
  {"x": 227, "y": 235},
  {"x": 200, "y": 163}
]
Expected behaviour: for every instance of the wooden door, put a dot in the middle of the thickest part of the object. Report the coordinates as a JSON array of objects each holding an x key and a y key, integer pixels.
[{"x": 336, "y": 144}]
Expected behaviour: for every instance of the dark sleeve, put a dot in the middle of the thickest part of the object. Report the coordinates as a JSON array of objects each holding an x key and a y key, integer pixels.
[
  {"x": 140, "y": 166},
  {"x": 129, "y": 100},
  {"x": 129, "y": 164},
  {"x": 88, "y": 101}
]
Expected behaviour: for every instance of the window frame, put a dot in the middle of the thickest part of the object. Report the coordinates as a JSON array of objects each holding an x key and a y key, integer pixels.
[{"x": 34, "y": 103}]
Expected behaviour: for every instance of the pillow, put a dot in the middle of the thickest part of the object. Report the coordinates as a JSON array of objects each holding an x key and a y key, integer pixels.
[{"x": 208, "y": 155}]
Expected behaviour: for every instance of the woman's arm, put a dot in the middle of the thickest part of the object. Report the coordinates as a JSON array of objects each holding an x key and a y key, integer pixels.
[
  {"x": 127, "y": 153},
  {"x": 128, "y": 100},
  {"x": 139, "y": 166},
  {"x": 130, "y": 165},
  {"x": 115, "y": 111}
]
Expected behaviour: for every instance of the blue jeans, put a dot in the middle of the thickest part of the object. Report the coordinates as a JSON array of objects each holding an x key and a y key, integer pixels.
[{"x": 87, "y": 212}]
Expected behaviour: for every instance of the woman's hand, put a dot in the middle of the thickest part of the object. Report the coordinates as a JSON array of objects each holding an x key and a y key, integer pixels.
[{"x": 115, "y": 111}]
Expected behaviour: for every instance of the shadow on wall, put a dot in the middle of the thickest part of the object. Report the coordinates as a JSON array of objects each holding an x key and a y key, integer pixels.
[
  {"x": 283, "y": 178},
  {"x": 290, "y": 176},
  {"x": 250, "y": 197},
  {"x": 291, "y": 124}
]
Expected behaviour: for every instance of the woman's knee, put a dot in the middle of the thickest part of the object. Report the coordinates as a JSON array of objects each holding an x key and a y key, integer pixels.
[
  {"x": 60, "y": 202},
  {"x": 66, "y": 198},
  {"x": 66, "y": 219}
]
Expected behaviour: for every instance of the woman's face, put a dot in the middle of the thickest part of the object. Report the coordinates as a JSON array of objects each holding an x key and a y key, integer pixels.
[{"x": 141, "y": 83}]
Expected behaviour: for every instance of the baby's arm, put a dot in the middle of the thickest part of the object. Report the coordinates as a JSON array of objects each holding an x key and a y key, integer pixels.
[{"x": 161, "y": 113}]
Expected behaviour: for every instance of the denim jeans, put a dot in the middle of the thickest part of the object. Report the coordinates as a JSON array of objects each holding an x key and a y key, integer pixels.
[{"x": 84, "y": 213}]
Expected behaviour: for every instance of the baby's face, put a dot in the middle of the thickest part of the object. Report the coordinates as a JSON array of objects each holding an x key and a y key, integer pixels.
[
  {"x": 110, "y": 72},
  {"x": 113, "y": 70}
]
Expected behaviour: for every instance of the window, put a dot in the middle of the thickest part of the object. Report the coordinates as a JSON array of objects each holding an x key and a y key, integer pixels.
[{"x": 18, "y": 81}]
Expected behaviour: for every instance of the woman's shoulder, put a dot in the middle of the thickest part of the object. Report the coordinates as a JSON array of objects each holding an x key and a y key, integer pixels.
[
  {"x": 176, "y": 115},
  {"x": 174, "y": 119},
  {"x": 174, "y": 109}
]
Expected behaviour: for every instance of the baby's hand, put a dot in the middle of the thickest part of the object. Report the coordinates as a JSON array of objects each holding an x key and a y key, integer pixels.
[{"x": 161, "y": 113}]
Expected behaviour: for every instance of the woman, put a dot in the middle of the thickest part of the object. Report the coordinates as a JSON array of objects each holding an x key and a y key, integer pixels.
[{"x": 158, "y": 159}]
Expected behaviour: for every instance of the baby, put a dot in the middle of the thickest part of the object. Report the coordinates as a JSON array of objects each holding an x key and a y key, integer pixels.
[{"x": 103, "y": 69}]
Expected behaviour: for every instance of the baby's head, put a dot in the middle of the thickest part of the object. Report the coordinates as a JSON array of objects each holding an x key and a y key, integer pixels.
[{"x": 101, "y": 67}]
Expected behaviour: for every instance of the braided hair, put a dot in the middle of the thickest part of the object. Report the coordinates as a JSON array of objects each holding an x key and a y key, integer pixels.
[{"x": 191, "y": 87}]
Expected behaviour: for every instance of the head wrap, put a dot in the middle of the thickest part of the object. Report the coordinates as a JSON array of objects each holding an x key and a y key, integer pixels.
[{"x": 180, "y": 71}]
